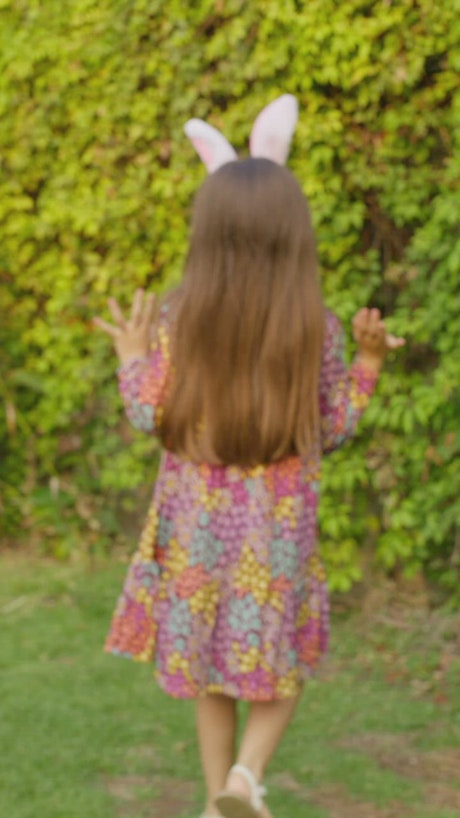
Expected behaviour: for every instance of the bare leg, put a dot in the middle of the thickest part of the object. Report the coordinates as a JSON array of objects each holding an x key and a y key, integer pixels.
[
  {"x": 265, "y": 726},
  {"x": 216, "y": 720}
]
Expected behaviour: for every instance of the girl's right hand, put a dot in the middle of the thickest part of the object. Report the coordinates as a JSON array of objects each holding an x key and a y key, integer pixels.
[
  {"x": 373, "y": 340},
  {"x": 131, "y": 336}
]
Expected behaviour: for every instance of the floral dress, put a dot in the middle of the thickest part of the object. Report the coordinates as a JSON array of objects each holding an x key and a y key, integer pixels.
[{"x": 226, "y": 592}]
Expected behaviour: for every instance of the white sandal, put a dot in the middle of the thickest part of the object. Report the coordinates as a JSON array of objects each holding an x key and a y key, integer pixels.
[{"x": 234, "y": 805}]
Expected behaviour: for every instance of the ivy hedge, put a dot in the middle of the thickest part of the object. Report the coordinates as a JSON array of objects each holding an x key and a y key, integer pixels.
[{"x": 96, "y": 180}]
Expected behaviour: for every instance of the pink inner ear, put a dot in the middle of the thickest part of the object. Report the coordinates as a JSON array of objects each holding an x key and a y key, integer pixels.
[
  {"x": 273, "y": 129},
  {"x": 212, "y": 147},
  {"x": 270, "y": 144},
  {"x": 203, "y": 150}
]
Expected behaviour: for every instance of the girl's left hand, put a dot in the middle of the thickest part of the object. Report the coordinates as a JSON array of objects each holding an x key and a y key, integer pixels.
[
  {"x": 131, "y": 336},
  {"x": 372, "y": 338}
]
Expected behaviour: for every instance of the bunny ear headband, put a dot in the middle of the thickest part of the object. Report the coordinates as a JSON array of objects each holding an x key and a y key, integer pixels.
[{"x": 270, "y": 137}]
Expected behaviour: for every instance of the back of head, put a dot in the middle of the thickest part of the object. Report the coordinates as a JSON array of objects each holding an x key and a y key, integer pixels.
[
  {"x": 254, "y": 205},
  {"x": 249, "y": 323}
]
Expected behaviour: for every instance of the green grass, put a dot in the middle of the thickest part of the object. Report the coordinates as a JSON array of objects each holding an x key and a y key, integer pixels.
[{"x": 85, "y": 735}]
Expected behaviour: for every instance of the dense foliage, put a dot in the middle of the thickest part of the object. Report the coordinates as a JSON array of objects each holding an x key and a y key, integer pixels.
[{"x": 95, "y": 186}]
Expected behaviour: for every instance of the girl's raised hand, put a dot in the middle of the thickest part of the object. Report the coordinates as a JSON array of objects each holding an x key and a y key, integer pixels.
[
  {"x": 131, "y": 335},
  {"x": 372, "y": 338}
]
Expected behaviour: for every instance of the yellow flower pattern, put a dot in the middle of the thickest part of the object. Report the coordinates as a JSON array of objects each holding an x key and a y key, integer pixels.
[{"x": 226, "y": 592}]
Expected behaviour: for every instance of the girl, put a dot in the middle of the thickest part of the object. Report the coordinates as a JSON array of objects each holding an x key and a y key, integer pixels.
[{"x": 246, "y": 386}]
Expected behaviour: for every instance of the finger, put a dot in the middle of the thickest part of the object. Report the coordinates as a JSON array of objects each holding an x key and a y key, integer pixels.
[
  {"x": 363, "y": 325},
  {"x": 116, "y": 312},
  {"x": 148, "y": 309},
  {"x": 373, "y": 319},
  {"x": 393, "y": 341},
  {"x": 136, "y": 309},
  {"x": 108, "y": 328},
  {"x": 359, "y": 320},
  {"x": 360, "y": 315}
]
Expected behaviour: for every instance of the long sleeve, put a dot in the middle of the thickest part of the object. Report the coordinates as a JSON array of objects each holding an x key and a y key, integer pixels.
[
  {"x": 142, "y": 383},
  {"x": 344, "y": 392}
]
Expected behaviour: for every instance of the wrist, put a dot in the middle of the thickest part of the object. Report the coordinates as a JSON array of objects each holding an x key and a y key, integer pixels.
[
  {"x": 128, "y": 358},
  {"x": 131, "y": 352},
  {"x": 371, "y": 360}
]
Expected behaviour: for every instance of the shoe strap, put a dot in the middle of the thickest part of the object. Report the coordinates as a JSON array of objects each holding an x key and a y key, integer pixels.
[{"x": 257, "y": 790}]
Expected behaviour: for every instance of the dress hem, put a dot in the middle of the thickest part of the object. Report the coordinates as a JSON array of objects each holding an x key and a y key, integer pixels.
[{"x": 219, "y": 689}]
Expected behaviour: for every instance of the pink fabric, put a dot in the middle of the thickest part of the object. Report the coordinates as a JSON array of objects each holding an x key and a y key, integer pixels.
[{"x": 226, "y": 592}]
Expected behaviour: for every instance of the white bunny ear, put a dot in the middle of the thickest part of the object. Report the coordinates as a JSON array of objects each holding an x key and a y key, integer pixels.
[
  {"x": 211, "y": 146},
  {"x": 273, "y": 129}
]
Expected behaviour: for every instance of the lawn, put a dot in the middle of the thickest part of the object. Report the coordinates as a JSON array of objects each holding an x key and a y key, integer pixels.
[{"x": 83, "y": 734}]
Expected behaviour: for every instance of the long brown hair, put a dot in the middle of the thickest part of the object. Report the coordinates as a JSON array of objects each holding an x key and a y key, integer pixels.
[{"x": 248, "y": 322}]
